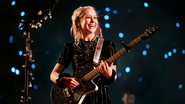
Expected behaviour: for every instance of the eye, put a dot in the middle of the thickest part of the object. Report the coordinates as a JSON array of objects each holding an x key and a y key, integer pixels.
[
  {"x": 95, "y": 17},
  {"x": 88, "y": 17}
]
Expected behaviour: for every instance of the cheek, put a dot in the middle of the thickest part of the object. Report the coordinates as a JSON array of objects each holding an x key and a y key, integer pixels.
[{"x": 82, "y": 23}]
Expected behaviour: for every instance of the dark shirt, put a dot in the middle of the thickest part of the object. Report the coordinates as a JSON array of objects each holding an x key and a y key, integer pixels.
[{"x": 81, "y": 58}]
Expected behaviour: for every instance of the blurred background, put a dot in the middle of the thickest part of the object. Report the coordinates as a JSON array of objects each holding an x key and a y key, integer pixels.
[{"x": 154, "y": 69}]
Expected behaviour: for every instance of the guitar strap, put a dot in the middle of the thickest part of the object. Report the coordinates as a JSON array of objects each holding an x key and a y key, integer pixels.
[{"x": 98, "y": 50}]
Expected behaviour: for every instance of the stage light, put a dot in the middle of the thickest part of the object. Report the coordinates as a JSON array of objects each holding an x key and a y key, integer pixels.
[
  {"x": 174, "y": 50},
  {"x": 121, "y": 35},
  {"x": 46, "y": 52},
  {"x": 106, "y": 17},
  {"x": 180, "y": 86},
  {"x": 183, "y": 51},
  {"x": 11, "y": 39},
  {"x": 127, "y": 69},
  {"x": 17, "y": 72},
  {"x": 13, "y": 3},
  {"x": 140, "y": 79},
  {"x": 33, "y": 66},
  {"x": 115, "y": 12},
  {"x": 98, "y": 11},
  {"x": 146, "y": 4},
  {"x": 22, "y": 13},
  {"x": 165, "y": 56},
  {"x": 119, "y": 74},
  {"x": 147, "y": 46},
  {"x": 20, "y": 53},
  {"x": 35, "y": 86},
  {"x": 144, "y": 52},
  {"x": 107, "y": 9},
  {"x": 107, "y": 25},
  {"x": 177, "y": 24},
  {"x": 13, "y": 69},
  {"x": 169, "y": 53}
]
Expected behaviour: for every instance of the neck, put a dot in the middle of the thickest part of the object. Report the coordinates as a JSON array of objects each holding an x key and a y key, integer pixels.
[{"x": 88, "y": 37}]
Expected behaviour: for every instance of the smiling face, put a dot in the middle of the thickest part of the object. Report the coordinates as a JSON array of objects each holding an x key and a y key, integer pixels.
[{"x": 89, "y": 22}]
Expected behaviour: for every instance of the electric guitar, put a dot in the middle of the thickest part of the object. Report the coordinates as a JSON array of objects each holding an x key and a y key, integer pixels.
[{"x": 76, "y": 96}]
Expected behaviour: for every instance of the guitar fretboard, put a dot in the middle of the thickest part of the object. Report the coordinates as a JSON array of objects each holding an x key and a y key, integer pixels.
[{"x": 123, "y": 50}]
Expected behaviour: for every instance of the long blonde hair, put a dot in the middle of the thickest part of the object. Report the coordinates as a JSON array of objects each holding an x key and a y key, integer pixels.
[{"x": 78, "y": 14}]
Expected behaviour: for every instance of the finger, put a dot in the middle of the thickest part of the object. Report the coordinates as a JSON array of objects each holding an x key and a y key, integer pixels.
[
  {"x": 75, "y": 81},
  {"x": 72, "y": 85},
  {"x": 106, "y": 65}
]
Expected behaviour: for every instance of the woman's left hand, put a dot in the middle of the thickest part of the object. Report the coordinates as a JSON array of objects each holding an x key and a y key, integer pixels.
[{"x": 106, "y": 69}]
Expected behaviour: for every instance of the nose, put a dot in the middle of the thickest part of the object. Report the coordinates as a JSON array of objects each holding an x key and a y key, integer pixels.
[{"x": 92, "y": 19}]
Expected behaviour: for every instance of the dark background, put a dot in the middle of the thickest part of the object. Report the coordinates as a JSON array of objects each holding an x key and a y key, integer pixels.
[{"x": 153, "y": 79}]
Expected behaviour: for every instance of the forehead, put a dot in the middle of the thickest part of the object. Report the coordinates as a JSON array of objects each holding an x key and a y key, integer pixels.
[{"x": 90, "y": 11}]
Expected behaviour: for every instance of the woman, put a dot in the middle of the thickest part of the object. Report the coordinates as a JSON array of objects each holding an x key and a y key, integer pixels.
[{"x": 86, "y": 30}]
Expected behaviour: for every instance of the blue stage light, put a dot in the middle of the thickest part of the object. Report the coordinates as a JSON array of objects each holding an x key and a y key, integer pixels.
[
  {"x": 121, "y": 35},
  {"x": 98, "y": 11},
  {"x": 146, "y": 4},
  {"x": 119, "y": 74},
  {"x": 33, "y": 66},
  {"x": 165, "y": 56},
  {"x": 183, "y": 51},
  {"x": 13, "y": 3},
  {"x": 17, "y": 72},
  {"x": 22, "y": 14},
  {"x": 144, "y": 52},
  {"x": 169, "y": 53},
  {"x": 107, "y": 25},
  {"x": 127, "y": 69},
  {"x": 11, "y": 39},
  {"x": 180, "y": 86},
  {"x": 115, "y": 12},
  {"x": 177, "y": 24},
  {"x": 174, "y": 50},
  {"x": 13, "y": 69},
  {"x": 147, "y": 46},
  {"x": 106, "y": 17},
  {"x": 140, "y": 79},
  {"x": 107, "y": 9},
  {"x": 20, "y": 53},
  {"x": 35, "y": 86}
]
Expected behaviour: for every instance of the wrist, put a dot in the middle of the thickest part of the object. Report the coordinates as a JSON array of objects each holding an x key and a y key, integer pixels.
[{"x": 59, "y": 81}]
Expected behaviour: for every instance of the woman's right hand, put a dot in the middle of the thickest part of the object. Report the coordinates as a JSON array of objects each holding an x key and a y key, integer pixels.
[{"x": 70, "y": 82}]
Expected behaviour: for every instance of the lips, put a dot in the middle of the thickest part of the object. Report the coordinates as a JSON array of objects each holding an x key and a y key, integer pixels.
[{"x": 92, "y": 25}]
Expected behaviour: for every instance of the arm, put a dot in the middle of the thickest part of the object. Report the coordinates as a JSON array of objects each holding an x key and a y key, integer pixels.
[
  {"x": 67, "y": 81},
  {"x": 55, "y": 72},
  {"x": 108, "y": 70}
]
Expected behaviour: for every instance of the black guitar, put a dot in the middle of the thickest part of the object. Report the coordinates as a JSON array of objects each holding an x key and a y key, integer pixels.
[{"x": 76, "y": 96}]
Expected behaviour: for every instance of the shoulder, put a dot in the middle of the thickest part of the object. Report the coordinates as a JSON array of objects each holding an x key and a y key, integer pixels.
[
  {"x": 68, "y": 44},
  {"x": 109, "y": 43}
]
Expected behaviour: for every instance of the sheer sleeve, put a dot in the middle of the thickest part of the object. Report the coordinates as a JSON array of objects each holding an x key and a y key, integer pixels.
[
  {"x": 66, "y": 55},
  {"x": 108, "y": 51}
]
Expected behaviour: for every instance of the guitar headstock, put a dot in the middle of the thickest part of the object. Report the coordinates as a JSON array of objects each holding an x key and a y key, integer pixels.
[{"x": 150, "y": 31}]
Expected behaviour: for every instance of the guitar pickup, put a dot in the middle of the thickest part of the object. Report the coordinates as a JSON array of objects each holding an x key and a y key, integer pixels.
[{"x": 66, "y": 92}]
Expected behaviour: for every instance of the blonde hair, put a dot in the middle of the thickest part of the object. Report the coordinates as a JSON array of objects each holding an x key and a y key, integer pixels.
[{"x": 78, "y": 14}]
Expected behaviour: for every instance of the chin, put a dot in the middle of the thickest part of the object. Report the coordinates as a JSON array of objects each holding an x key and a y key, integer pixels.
[{"x": 92, "y": 30}]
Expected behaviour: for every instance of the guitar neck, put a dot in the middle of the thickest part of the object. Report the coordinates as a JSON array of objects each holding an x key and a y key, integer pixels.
[
  {"x": 113, "y": 58},
  {"x": 123, "y": 50}
]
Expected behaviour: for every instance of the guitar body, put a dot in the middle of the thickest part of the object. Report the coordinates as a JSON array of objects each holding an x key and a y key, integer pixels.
[{"x": 72, "y": 96}]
